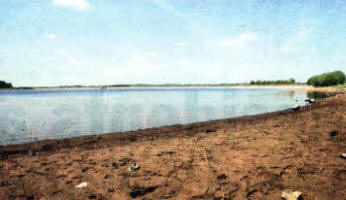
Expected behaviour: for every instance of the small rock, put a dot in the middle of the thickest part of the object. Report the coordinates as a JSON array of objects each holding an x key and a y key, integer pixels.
[
  {"x": 343, "y": 156},
  {"x": 133, "y": 167},
  {"x": 82, "y": 184},
  {"x": 291, "y": 195}
]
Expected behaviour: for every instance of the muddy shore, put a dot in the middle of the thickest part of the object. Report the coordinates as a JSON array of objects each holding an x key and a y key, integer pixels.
[{"x": 253, "y": 157}]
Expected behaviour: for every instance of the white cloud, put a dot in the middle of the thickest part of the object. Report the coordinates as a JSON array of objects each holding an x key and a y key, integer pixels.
[
  {"x": 288, "y": 50},
  {"x": 241, "y": 39},
  {"x": 74, "y": 61},
  {"x": 305, "y": 32},
  {"x": 61, "y": 52},
  {"x": 152, "y": 54},
  {"x": 180, "y": 44},
  {"x": 51, "y": 36},
  {"x": 139, "y": 60},
  {"x": 295, "y": 43},
  {"x": 74, "y": 4}
]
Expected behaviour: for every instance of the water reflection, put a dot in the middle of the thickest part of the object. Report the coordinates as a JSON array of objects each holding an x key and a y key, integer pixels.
[{"x": 27, "y": 116}]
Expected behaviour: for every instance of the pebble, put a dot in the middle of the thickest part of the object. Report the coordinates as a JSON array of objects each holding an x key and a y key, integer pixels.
[
  {"x": 291, "y": 195},
  {"x": 82, "y": 184}
]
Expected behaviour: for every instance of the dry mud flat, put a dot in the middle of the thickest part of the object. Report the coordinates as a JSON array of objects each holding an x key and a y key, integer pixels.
[{"x": 252, "y": 157}]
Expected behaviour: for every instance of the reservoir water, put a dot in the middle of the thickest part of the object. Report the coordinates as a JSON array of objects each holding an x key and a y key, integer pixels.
[{"x": 26, "y": 116}]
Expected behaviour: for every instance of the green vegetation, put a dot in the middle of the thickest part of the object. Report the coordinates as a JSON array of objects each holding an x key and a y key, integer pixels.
[
  {"x": 273, "y": 82},
  {"x": 327, "y": 79},
  {"x": 340, "y": 86},
  {"x": 5, "y": 85}
]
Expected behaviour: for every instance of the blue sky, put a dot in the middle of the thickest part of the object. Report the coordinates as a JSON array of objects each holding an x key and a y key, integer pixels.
[{"x": 92, "y": 42}]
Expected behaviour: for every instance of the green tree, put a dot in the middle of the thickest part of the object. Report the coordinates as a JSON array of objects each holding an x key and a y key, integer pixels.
[
  {"x": 4, "y": 84},
  {"x": 327, "y": 79}
]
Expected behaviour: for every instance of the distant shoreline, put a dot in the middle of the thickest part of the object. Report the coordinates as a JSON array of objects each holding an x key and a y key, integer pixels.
[{"x": 296, "y": 86}]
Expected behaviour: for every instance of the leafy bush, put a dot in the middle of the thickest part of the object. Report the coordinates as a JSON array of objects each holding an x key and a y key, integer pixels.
[
  {"x": 327, "y": 79},
  {"x": 3, "y": 84}
]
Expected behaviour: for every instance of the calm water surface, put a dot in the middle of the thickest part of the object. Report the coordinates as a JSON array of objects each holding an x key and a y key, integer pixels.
[{"x": 27, "y": 116}]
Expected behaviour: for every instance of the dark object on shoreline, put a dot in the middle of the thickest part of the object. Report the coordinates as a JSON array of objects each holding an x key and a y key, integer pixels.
[
  {"x": 333, "y": 133},
  {"x": 310, "y": 101},
  {"x": 296, "y": 108},
  {"x": 343, "y": 156},
  {"x": 210, "y": 130}
]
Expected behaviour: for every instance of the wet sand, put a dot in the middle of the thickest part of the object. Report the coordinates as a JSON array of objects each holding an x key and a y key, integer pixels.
[{"x": 253, "y": 157}]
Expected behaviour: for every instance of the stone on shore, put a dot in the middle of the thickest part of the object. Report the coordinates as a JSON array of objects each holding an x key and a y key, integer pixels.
[{"x": 291, "y": 195}]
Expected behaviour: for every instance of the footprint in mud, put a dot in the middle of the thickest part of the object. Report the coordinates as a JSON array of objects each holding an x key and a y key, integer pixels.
[
  {"x": 139, "y": 192},
  {"x": 77, "y": 177},
  {"x": 20, "y": 175},
  {"x": 111, "y": 190},
  {"x": 68, "y": 182},
  {"x": 107, "y": 176},
  {"x": 124, "y": 162},
  {"x": 92, "y": 162},
  {"x": 85, "y": 169},
  {"x": 98, "y": 197},
  {"x": 61, "y": 176},
  {"x": 166, "y": 152},
  {"x": 56, "y": 192},
  {"x": 221, "y": 177}
]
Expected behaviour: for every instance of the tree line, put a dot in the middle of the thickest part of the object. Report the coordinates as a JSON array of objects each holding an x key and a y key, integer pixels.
[
  {"x": 5, "y": 85},
  {"x": 327, "y": 79},
  {"x": 273, "y": 82}
]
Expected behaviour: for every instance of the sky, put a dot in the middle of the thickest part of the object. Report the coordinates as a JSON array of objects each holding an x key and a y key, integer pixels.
[{"x": 97, "y": 42}]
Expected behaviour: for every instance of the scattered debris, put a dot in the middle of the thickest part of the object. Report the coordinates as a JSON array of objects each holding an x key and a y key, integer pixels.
[
  {"x": 82, "y": 184},
  {"x": 133, "y": 167},
  {"x": 343, "y": 156},
  {"x": 291, "y": 195}
]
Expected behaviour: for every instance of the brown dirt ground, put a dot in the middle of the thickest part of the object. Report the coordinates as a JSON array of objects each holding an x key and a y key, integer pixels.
[{"x": 252, "y": 157}]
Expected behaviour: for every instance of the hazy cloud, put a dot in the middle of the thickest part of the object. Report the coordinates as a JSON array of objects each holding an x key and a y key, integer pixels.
[
  {"x": 241, "y": 39},
  {"x": 74, "y": 4},
  {"x": 180, "y": 44},
  {"x": 51, "y": 36}
]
